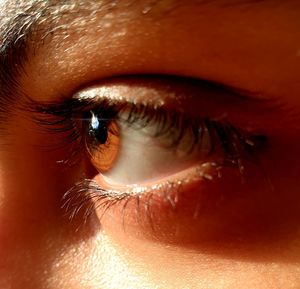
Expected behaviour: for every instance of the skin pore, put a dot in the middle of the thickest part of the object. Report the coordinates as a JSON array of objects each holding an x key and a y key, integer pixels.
[{"x": 50, "y": 51}]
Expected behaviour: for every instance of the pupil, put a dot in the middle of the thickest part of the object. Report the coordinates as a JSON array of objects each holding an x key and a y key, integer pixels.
[{"x": 98, "y": 129}]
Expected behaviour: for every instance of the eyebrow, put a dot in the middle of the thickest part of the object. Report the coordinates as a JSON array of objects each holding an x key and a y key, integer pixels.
[
  {"x": 21, "y": 28},
  {"x": 16, "y": 25}
]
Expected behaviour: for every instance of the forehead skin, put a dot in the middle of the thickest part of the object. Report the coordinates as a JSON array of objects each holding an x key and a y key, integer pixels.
[{"x": 253, "y": 45}]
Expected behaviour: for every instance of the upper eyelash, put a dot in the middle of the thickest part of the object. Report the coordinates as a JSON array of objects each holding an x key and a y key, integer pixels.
[
  {"x": 233, "y": 140},
  {"x": 63, "y": 117}
]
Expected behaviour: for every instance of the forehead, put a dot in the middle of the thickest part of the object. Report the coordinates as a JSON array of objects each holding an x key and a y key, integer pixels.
[
  {"x": 19, "y": 18},
  {"x": 176, "y": 33},
  {"x": 44, "y": 9}
]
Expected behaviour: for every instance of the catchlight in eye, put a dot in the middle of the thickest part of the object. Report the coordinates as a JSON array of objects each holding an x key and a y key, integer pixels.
[{"x": 102, "y": 140}]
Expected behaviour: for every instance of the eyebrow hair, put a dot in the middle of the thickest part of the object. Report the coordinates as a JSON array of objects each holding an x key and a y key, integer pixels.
[
  {"x": 15, "y": 28},
  {"x": 18, "y": 29},
  {"x": 21, "y": 27},
  {"x": 27, "y": 23}
]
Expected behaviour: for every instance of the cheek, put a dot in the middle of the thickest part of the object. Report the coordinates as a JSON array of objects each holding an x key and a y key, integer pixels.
[
  {"x": 236, "y": 215},
  {"x": 35, "y": 234}
]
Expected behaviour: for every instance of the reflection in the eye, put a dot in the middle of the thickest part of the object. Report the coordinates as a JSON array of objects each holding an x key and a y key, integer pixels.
[{"x": 102, "y": 141}]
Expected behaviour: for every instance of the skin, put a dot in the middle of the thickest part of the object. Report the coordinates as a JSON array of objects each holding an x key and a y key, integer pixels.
[{"x": 253, "y": 47}]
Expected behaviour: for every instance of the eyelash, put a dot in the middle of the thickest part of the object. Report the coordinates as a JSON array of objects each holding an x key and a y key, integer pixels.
[{"x": 67, "y": 117}]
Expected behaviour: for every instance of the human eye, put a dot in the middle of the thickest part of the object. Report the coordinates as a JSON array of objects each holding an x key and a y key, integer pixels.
[
  {"x": 153, "y": 161},
  {"x": 149, "y": 144}
]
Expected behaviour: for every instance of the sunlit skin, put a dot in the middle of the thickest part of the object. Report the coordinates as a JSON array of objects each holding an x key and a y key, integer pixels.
[{"x": 253, "y": 241}]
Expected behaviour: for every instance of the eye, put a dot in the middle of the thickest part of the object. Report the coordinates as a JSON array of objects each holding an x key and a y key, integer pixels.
[
  {"x": 137, "y": 144},
  {"x": 169, "y": 156}
]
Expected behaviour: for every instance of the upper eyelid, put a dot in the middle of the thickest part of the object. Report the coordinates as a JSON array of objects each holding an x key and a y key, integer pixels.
[
  {"x": 108, "y": 88},
  {"x": 211, "y": 96}
]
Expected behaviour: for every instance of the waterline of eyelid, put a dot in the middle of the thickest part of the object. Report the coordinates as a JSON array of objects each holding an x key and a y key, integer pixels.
[{"x": 207, "y": 171}]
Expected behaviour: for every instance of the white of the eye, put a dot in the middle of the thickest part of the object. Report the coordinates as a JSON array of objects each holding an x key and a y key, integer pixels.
[{"x": 143, "y": 159}]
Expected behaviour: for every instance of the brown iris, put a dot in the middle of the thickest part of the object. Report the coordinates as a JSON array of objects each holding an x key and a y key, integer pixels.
[{"x": 103, "y": 141}]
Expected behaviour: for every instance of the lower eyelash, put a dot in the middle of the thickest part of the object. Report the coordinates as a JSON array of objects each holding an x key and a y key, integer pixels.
[
  {"x": 80, "y": 198},
  {"x": 85, "y": 197}
]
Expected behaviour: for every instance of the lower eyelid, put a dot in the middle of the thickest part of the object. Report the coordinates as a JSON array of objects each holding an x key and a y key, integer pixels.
[
  {"x": 205, "y": 171},
  {"x": 160, "y": 212}
]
